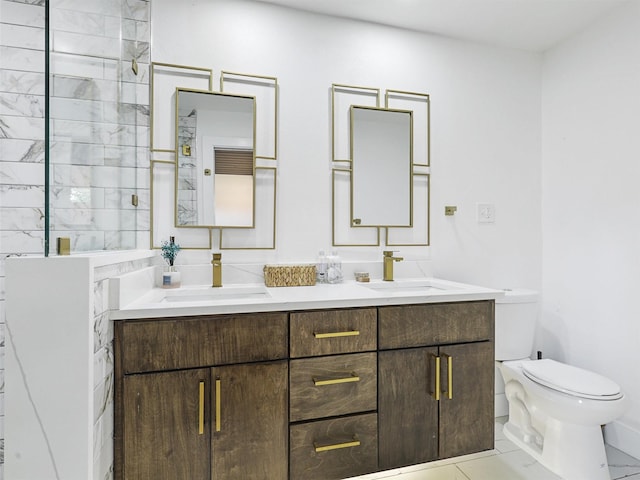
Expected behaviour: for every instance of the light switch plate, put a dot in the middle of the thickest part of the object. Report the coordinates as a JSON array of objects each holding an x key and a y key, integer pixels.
[{"x": 486, "y": 212}]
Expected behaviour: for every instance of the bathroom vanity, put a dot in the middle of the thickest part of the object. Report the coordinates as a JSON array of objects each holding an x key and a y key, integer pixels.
[{"x": 309, "y": 383}]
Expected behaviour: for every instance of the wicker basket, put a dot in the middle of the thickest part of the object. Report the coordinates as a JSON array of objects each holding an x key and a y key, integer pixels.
[{"x": 289, "y": 275}]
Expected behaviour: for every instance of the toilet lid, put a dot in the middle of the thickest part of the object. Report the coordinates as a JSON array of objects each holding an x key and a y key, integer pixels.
[{"x": 571, "y": 380}]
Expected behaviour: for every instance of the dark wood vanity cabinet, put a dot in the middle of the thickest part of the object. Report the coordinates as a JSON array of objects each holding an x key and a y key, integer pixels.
[
  {"x": 435, "y": 381},
  {"x": 227, "y": 419},
  {"x": 318, "y": 394}
]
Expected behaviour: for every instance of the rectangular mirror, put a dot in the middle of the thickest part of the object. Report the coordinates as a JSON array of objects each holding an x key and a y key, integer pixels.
[
  {"x": 382, "y": 173},
  {"x": 215, "y": 159}
]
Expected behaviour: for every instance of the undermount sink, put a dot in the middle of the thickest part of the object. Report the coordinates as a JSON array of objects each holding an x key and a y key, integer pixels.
[
  {"x": 413, "y": 287},
  {"x": 211, "y": 294}
]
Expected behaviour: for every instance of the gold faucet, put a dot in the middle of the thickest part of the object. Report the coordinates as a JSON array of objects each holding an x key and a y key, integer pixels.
[
  {"x": 388, "y": 259},
  {"x": 217, "y": 269}
]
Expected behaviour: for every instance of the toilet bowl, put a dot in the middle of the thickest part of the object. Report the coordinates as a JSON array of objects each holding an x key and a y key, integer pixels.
[{"x": 555, "y": 410}]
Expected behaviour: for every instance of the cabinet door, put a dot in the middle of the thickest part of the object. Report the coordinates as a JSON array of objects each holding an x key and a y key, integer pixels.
[
  {"x": 467, "y": 419},
  {"x": 250, "y": 420},
  {"x": 407, "y": 411},
  {"x": 165, "y": 434}
]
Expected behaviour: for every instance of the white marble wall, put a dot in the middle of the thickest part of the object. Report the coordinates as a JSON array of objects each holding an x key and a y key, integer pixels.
[
  {"x": 99, "y": 128},
  {"x": 21, "y": 145},
  {"x": 67, "y": 434}
]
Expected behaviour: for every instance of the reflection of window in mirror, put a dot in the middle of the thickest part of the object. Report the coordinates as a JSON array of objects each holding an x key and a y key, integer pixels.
[
  {"x": 381, "y": 154},
  {"x": 233, "y": 186}
]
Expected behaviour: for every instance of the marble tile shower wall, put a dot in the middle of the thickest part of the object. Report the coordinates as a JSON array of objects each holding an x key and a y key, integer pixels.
[
  {"x": 99, "y": 127},
  {"x": 100, "y": 122}
]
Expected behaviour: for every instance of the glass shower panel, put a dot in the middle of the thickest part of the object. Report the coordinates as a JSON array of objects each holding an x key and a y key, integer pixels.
[{"x": 97, "y": 125}]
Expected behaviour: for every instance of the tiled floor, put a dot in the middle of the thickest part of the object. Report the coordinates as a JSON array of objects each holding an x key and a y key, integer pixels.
[{"x": 505, "y": 462}]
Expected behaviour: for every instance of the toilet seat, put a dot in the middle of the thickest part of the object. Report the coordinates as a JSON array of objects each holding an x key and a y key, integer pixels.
[{"x": 571, "y": 380}]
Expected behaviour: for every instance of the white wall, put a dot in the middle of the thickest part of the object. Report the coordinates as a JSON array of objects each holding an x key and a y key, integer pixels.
[
  {"x": 590, "y": 201},
  {"x": 485, "y": 116}
]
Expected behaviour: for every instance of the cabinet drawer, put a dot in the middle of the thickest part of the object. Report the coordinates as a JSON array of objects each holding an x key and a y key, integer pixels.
[
  {"x": 333, "y": 449},
  {"x": 177, "y": 343},
  {"x": 330, "y": 332},
  {"x": 330, "y": 386},
  {"x": 435, "y": 324}
]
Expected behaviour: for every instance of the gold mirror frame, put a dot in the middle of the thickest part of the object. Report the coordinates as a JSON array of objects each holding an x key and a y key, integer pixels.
[
  {"x": 420, "y": 170},
  {"x": 184, "y": 150},
  {"x": 384, "y": 185},
  {"x": 162, "y": 164}
]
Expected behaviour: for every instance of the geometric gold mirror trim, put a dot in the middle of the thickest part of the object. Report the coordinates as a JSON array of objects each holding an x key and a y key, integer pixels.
[
  {"x": 165, "y": 78},
  {"x": 420, "y": 104},
  {"x": 343, "y": 233},
  {"x": 162, "y": 180},
  {"x": 342, "y": 97},
  {"x": 266, "y": 91},
  {"x": 406, "y": 237},
  {"x": 340, "y": 194},
  {"x": 263, "y": 237}
]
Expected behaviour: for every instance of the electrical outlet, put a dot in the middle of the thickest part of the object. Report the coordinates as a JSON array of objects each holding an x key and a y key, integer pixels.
[{"x": 486, "y": 212}]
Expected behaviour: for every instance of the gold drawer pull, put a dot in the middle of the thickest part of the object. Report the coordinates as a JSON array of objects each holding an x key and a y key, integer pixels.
[
  {"x": 201, "y": 410},
  {"x": 436, "y": 392},
  {"x": 325, "y": 448},
  {"x": 333, "y": 381},
  {"x": 449, "y": 375},
  {"x": 218, "y": 404},
  {"x": 349, "y": 333}
]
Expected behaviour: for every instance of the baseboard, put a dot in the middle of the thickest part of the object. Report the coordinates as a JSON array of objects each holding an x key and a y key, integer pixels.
[{"x": 623, "y": 437}]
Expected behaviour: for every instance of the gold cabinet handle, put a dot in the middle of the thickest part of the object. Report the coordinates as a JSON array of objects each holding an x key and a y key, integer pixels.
[
  {"x": 333, "y": 381},
  {"x": 218, "y": 408},
  {"x": 201, "y": 410},
  {"x": 436, "y": 392},
  {"x": 348, "y": 333},
  {"x": 325, "y": 448},
  {"x": 449, "y": 375}
]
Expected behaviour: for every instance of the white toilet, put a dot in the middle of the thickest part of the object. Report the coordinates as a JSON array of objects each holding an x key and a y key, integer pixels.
[{"x": 555, "y": 410}]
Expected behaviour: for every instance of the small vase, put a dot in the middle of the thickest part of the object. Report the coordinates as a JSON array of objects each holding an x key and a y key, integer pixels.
[{"x": 170, "y": 277}]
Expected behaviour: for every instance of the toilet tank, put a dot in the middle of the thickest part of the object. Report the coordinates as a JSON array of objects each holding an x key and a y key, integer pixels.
[{"x": 516, "y": 315}]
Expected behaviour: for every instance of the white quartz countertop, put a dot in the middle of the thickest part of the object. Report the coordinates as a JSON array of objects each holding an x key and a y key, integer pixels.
[{"x": 246, "y": 298}]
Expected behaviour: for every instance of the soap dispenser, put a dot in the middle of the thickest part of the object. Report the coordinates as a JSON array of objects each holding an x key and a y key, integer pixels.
[
  {"x": 321, "y": 268},
  {"x": 334, "y": 268}
]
